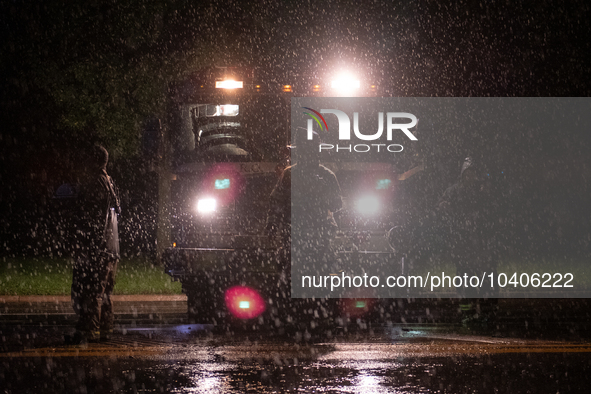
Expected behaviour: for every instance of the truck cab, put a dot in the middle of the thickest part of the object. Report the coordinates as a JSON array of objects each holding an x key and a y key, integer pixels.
[{"x": 229, "y": 135}]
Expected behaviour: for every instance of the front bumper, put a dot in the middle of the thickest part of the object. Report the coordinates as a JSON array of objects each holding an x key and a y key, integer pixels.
[{"x": 192, "y": 262}]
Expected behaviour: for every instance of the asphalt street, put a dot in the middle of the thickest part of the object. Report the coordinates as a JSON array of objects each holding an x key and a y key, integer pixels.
[
  {"x": 156, "y": 349},
  {"x": 375, "y": 364}
]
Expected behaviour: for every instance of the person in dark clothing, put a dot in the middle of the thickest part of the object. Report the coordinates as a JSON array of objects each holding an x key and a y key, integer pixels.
[
  {"x": 96, "y": 251},
  {"x": 468, "y": 211},
  {"x": 302, "y": 219},
  {"x": 303, "y": 216},
  {"x": 314, "y": 201}
]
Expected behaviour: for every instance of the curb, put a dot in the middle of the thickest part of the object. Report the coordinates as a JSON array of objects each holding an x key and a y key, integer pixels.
[{"x": 115, "y": 298}]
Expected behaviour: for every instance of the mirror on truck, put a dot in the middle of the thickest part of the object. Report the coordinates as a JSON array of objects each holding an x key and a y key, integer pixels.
[{"x": 152, "y": 142}]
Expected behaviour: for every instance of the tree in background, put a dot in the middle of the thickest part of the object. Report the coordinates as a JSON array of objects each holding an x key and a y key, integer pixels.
[{"x": 75, "y": 73}]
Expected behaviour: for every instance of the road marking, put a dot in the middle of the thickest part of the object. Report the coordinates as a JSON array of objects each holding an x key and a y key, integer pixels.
[
  {"x": 426, "y": 347},
  {"x": 90, "y": 351},
  {"x": 450, "y": 349}
]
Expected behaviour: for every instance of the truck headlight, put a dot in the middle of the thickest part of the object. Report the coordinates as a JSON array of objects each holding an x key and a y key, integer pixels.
[
  {"x": 368, "y": 205},
  {"x": 206, "y": 205}
]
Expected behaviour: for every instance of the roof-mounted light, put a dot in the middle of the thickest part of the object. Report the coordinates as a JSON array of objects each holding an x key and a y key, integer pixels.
[
  {"x": 345, "y": 84},
  {"x": 229, "y": 84}
]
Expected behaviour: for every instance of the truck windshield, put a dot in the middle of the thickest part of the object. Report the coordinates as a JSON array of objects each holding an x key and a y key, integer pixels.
[{"x": 245, "y": 129}]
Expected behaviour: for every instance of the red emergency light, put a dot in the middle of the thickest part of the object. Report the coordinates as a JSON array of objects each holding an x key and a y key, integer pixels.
[{"x": 244, "y": 302}]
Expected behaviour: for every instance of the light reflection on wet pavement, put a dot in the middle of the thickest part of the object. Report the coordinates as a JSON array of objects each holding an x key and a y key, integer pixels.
[
  {"x": 416, "y": 361},
  {"x": 157, "y": 351}
]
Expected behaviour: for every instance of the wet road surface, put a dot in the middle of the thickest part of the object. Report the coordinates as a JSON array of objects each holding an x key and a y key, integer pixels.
[
  {"x": 152, "y": 353},
  {"x": 417, "y": 361}
]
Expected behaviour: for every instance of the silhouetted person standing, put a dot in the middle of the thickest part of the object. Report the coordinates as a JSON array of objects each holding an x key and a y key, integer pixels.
[
  {"x": 96, "y": 251},
  {"x": 303, "y": 215},
  {"x": 312, "y": 203}
]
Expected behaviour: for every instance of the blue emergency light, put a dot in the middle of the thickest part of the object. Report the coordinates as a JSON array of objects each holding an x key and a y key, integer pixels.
[
  {"x": 222, "y": 184},
  {"x": 383, "y": 184}
]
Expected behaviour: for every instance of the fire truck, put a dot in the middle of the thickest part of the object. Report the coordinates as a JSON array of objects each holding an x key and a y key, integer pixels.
[{"x": 228, "y": 133}]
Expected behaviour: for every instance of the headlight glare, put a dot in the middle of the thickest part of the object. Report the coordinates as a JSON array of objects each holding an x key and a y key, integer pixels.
[
  {"x": 206, "y": 205},
  {"x": 345, "y": 84},
  {"x": 368, "y": 205},
  {"x": 229, "y": 84}
]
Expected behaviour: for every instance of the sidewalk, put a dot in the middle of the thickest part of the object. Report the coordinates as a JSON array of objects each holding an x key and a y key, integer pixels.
[
  {"x": 133, "y": 304},
  {"x": 115, "y": 298}
]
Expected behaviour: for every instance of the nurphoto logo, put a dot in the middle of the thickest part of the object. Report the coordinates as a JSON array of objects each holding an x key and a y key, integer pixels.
[{"x": 392, "y": 126}]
